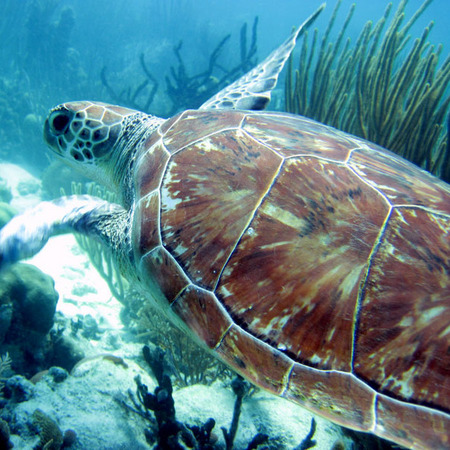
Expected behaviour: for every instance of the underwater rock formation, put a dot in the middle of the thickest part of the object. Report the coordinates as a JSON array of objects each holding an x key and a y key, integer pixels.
[
  {"x": 37, "y": 425},
  {"x": 27, "y": 308},
  {"x": 31, "y": 296}
]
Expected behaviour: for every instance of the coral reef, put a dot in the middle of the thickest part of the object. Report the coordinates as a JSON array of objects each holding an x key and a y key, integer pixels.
[
  {"x": 36, "y": 49},
  {"x": 375, "y": 89},
  {"x": 191, "y": 91},
  {"x": 30, "y": 296},
  {"x": 308, "y": 441},
  {"x": 139, "y": 97},
  {"x": 168, "y": 429},
  {"x": 61, "y": 350},
  {"x": 18, "y": 131},
  {"x": 91, "y": 401},
  {"x": 27, "y": 308},
  {"x": 33, "y": 298},
  {"x": 54, "y": 28},
  {"x": 18, "y": 389},
  {"x": 170, "y": 433},
  {"x": 240, "y": 388},
  {"x": 161, "y": 402},
  {"x": 50, "y": 435}
]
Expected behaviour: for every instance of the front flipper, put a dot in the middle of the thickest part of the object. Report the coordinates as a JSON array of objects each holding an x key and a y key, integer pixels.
[
  {"x": 27, "y": 233},
  {"x": 252, "y": 91}
]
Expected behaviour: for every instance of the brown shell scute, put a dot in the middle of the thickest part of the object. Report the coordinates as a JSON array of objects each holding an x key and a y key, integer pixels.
[
  {"x": 308, "y": 247},
  {"x": 146, "y": 225},
  {"x": 406, "y": 423},
  {"x": 203, "y": 314},
  {"x": 191, "y": 126},
  {"x": 405, "y": 314},
  {"x": 209, "y": 195},
  {"x": 161, "y": 268},
  {"x": 263, "y": 365},
  {"x": 401, "y": 181},
  {"x": 150, "y": 167},
  {"x": 299, "y": 136},
  {"x": 339, "y": 396}
]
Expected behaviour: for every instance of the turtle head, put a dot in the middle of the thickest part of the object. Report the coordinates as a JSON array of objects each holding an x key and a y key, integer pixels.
[{"x": 96, "y": 138}]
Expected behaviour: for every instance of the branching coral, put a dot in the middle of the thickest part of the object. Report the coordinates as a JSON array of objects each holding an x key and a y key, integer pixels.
[
  {"x": 139, "y": 97},
  {"x": 190, "y": 91},
  {"x": 185, "y": 90},
  {"x": 192, "y": 364},
  {"x": 377, "y": 90},
  {"x": 168, "y": 430}
]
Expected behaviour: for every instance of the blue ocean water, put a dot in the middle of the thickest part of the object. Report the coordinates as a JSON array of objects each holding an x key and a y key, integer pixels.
[{"x": 54, "y": 51}]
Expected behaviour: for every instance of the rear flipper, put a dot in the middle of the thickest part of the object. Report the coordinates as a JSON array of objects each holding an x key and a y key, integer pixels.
[{"x": 27, "y": 233}]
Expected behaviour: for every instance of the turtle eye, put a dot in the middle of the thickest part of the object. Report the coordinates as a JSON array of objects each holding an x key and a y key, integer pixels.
[{"x": 59, "y": 121}]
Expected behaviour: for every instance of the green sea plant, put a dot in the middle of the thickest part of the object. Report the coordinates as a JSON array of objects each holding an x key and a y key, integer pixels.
[
  {"x": 191, "y": 363},
  {"x": 139, "y": 97},
  {"x": 377, "y": 88}
]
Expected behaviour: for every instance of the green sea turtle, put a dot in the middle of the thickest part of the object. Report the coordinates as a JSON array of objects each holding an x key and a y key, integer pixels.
[{"x": 312, "y": 262}]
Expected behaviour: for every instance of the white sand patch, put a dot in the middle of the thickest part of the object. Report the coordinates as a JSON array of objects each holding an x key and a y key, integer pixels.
[
  {"x": 286, "y": 424},
  {"x": 87, "y": 402},
  {"x": 81, "y": 289}
]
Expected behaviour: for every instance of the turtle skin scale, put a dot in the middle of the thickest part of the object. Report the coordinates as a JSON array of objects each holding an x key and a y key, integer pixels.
[{"x": 314, "y": 263}]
